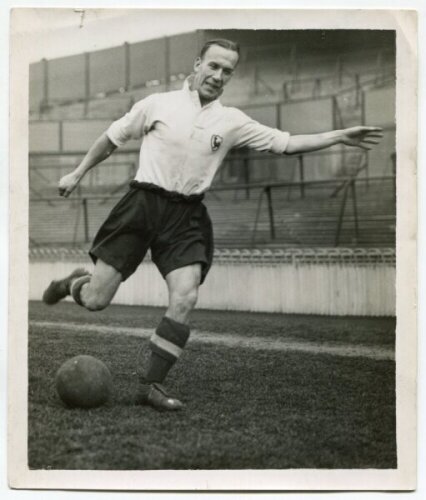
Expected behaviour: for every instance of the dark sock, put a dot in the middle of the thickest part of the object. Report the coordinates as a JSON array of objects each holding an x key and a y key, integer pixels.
[
  {"x": 76, "y": 286},
  {"x": 166, "y": 346},
  {"x": 158, "y": 368}
]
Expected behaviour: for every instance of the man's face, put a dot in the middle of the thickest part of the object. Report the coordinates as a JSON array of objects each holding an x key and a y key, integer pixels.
[{"x": 213, "y": 72}]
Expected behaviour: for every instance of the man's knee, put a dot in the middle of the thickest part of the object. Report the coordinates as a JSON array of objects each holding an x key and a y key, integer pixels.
[
  {"x": 184, "y": 301},
  {"x": 183, "y": 286},
  {"x": 100, "y": 290},
  {"x": 94, "y": 305},
  {"x": 93, "y": 301}
]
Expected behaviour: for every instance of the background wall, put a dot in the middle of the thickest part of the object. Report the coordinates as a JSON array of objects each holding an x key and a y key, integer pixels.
[{"x": 309, "y": 288}]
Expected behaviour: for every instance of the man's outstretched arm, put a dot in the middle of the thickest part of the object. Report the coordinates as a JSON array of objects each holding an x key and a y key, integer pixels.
[
  {"x": 362, "y": 137},
  {"x": 101, "y": 149}
]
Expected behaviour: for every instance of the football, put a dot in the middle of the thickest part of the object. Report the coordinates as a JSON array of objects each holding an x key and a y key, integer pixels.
[{"x": 83, "y": 382}]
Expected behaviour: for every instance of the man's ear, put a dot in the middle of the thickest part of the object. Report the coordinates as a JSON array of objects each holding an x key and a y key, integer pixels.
[{"x": 197, "y": 63}]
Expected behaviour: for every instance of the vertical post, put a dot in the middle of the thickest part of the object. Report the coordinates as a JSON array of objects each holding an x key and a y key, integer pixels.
[
  {"x": 256, "y": 220},
  {"x": 270, "y": 212},
  {"x": 334, "y": 112},
  {"x": 317, "y": 88},
  {"x": 302, "y": 176},
  {"x": 357, "y": 90},
  {"x": 362, "y": 107},
  {"x": 339, "y": 71},
  {"x": 393, "y": 160},
  {"x": 167, "y": 62},
  {"x": 379, "y": 76},
  {"x": 355, "y": 209},
  {"x": 367, "y": 170},
  {"x": 278, "y": 116},
  {"x": 126, "y": 66},
  {"x": 341, "y": 214},
  {"x": 45, "y": 101},
  {"x": 61, "y": 135},
  {"x": 86, "y": 82},
  {"x": 293, "y": 60},
  {"x": 86, "y": 220},
  {"x": 246, "y": 167},
  {"x": 285, "y": 92}
]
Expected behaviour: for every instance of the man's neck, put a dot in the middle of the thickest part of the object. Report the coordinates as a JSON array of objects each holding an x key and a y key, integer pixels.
[{"x": 203, "y": 102}]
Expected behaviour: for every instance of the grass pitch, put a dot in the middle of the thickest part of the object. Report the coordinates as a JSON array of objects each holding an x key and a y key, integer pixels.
[{"x": 246, "y": 407}]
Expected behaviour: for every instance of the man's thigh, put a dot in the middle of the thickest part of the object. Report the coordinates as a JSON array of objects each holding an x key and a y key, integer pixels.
[
  {"x": 184, "y": 279},
  {"x": 124, "y": 238},
  {"x": 183, "y": 286},
  {"x": 186, "y": 240},
  {"x": 104, "y": 282}
]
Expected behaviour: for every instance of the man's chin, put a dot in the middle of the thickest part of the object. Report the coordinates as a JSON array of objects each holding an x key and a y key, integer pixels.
[
  {"x": 209, "y": 96},
  {"x": 212, "y": 94}
]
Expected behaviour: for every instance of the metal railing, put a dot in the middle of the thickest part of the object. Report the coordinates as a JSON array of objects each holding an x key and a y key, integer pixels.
[
  {"x": 321, "y": 86},
  {"x": 235, "y": 159},
  {"x": 347, "y": 185},
  {"x": 260, "y": 83},
  {"x": 297, "y": 183},
  {"x": 298, "y": 165}
]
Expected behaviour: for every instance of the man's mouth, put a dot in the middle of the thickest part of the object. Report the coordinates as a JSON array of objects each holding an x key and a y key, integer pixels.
[{"x": 213, "y": 87}]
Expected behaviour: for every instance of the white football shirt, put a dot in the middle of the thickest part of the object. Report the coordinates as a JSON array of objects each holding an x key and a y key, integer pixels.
[{"x": 184, "y": 143}]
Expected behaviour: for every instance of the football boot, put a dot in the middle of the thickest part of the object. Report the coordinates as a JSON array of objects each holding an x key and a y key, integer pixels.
[
  {"x": 155, "y": 395},
  {"x": 58, "y": 290}
]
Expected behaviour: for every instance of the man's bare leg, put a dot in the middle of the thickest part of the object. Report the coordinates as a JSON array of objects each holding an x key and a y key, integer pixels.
[
  {"x": 170, "y": 337},
  {"x": 97, "y": 294},
  {"x": 94, "y": 292},
  {"x": 183, "y": 284}
]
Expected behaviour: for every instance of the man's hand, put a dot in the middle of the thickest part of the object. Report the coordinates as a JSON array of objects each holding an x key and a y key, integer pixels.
[
  {"x": 99, "y": 151},
  {"x": 362, "y": 137},
  {"x": 68, "y": 183}
]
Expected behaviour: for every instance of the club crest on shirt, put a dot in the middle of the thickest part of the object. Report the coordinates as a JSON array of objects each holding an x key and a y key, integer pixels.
[{"x": 215, "y": 142}]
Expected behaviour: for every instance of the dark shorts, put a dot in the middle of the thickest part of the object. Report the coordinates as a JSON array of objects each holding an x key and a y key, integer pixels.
[{"x": 176, "y": 228}]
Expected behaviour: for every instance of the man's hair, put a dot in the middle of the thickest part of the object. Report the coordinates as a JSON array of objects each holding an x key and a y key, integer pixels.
[{"x": 222, "y": 42}]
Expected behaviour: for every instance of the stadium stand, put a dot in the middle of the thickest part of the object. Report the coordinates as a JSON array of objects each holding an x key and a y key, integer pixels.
[
  {"x": 311, "y": 221},
  {"x": 341, "y": 198}
]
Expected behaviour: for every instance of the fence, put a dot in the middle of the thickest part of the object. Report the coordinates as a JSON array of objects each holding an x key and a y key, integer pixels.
[
  {"x": 247, "y": 167},
  {"x": 309, "y": 281},
  {"x": 337, "y": 83},
  {"x": 162, "y": 61},
  {"x": 252, "y": 177},
  {"x": 77, "y": 218},
  {"x": 110, "y": 71},
  {"x": 70, "y": 135}
]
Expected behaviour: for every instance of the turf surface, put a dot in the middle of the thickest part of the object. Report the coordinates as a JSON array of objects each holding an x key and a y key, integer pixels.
[
  {"x": 245, "y": 407},
  {"x": 335, "y": 329}
]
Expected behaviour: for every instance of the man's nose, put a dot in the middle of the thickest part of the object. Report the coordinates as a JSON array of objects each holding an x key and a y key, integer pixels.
[{"x": 218, "y": 75}]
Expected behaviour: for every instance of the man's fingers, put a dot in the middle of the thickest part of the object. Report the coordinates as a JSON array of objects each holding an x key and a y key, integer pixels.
[
  {"x": 370, "y": 140},
  {"x": 374, "y": 129},
  {"x": 378, "y": 135},
  {"x": 64, "y": 192}
]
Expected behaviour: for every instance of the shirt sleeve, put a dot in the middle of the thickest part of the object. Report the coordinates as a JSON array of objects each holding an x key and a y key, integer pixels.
[
  {"x": 132, "y": 125},
  {"x": 254, "y": 135}
]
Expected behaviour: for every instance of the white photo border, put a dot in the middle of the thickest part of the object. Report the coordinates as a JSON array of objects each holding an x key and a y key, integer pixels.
[{"x": 402, "y": 478}]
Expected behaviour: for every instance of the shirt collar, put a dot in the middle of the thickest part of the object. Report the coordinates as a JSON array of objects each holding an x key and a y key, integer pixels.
[{"x": 194, "y": 96}]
